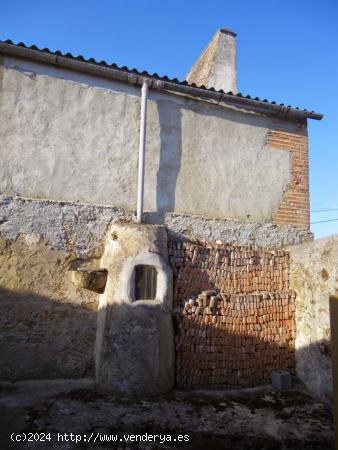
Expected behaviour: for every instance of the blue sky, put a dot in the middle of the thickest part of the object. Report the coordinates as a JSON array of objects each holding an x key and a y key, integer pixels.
[{"x": 287, "y": 51}]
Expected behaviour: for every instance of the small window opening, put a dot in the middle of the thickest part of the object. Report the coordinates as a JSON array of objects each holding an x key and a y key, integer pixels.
[{"x": 145, "y": 282}]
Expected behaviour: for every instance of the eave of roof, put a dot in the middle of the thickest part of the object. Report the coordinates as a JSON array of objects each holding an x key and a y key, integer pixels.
[{"x": 135, "y": 77}]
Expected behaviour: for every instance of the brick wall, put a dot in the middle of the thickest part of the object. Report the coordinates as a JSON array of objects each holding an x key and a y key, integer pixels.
[
  {"x": 234, "y": 314},
  {"x": 294, "y": 208}
]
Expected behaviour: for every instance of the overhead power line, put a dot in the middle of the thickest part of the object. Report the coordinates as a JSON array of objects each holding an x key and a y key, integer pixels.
[
  {"x": 321, "y": 210},
  {"x": 322, "y": 221}
]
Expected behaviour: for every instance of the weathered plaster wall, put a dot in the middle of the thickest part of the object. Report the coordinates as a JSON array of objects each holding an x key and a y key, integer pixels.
[
  {"x": 47, "y": 324},
  {"x": 64, "y": 226},
  {"x": 79, "y": 227},
  {"x": 314, "y": 276},
  {"x": 67, "y": 136},
  {"x": 266, "y": 235}
]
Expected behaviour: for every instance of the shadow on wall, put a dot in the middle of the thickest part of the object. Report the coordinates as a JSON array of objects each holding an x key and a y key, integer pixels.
[
  {"x": 198, "y": 139},
  {"x": 170, "y": 118},
  {"x": 44, "y": 338},
  {"x": 209, "y": 356},
  {"x": 41, "y": 337},
  {"x": 314, "y": 368}
]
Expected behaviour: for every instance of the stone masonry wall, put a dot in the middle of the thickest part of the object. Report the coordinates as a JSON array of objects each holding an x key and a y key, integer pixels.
[
  {"x": 48, "y": 325},
  {"x": 266, "y": 235},
  {"x": 235, "y": 314},
  {"x": 314, "y": 276}
]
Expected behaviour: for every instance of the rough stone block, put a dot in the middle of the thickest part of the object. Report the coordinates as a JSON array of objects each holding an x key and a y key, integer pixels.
[{"x": 94, "y": 280}]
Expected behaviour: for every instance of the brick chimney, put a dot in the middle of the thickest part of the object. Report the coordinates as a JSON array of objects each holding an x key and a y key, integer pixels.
[{"x": 216, "y": 67}]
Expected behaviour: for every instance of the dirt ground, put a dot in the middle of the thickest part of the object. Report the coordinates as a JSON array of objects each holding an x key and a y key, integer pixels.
[{"x": 70, "y": 414}]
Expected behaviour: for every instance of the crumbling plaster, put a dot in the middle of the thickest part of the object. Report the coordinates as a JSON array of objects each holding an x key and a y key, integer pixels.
[
  {"x": 266, "y": 235},
  {"x": 66, "y": 226},
  {"x": 43, "y": 314},
  {"x": 47, "y": 325},
  {"x": 81, "y": 227},
  {"x": 72, "y": 137},
  {"x": 76, "y": 137}
]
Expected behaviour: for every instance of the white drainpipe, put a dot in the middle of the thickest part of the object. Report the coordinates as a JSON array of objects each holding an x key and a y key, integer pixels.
[{"x": 142, "y": 147}]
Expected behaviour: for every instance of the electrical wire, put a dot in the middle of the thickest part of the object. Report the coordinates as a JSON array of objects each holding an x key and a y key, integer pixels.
[
  {"x": 322, "y": 221},
  {"x": 321, "y": 210}
]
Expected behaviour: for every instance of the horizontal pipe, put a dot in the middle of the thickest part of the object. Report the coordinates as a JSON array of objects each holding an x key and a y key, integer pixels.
[{"x": 168, "y": 86}]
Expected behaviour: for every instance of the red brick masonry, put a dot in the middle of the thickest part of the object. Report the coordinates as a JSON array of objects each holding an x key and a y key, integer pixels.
[
  {"x": 294, "y": 208},
  {"x": 242, "y": 327}
]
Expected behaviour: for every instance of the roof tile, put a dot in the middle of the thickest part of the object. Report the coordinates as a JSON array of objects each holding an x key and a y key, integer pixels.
[{"x": 144, "y": 73}]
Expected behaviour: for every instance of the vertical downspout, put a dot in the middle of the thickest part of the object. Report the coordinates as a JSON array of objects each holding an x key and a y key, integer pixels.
[{"x": 143, "y": 125}]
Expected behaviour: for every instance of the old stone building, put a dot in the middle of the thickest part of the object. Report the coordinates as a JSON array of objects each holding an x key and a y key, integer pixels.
[{"x": 222, "y": 191}]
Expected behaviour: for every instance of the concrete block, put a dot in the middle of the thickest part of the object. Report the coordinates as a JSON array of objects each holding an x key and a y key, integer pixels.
[{"x": 281, "y": 380}]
